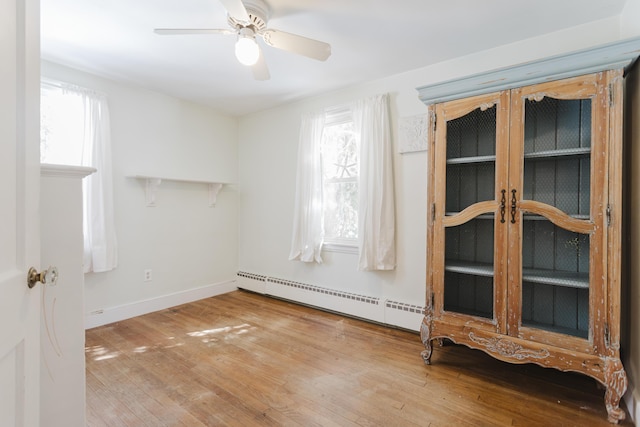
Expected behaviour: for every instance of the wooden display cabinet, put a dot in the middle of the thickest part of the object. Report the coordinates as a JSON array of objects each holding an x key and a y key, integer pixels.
[{"x": 524, "y": 228}]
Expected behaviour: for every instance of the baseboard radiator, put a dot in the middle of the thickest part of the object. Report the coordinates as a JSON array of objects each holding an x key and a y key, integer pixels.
[{"x": 393, "y": 313}]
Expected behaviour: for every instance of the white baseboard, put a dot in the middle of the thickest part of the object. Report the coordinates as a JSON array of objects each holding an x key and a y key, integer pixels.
[
  {"x": 392, "y": 313},
  {"x": 127, "y": 311},
  {"x": 251, "y": 282},
  {"x": 362, "y": 306},
  {"x": 403, "y": 315}
]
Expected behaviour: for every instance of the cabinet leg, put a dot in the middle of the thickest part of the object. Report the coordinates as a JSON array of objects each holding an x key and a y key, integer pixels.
[
  {"x": 616, "y": 384},
  {"x": 426, "y": 353},
  {"x": 425, "y": 336}
]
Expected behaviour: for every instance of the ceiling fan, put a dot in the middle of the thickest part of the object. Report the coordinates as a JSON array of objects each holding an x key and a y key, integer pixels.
[{"x": 248, "y": 19}]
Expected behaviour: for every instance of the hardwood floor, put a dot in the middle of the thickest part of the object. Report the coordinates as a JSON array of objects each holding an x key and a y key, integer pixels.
[{"x": 244, "y": 359}]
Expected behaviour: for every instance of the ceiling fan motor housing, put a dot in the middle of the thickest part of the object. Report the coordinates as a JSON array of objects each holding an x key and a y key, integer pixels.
[{"x": 258, "y": 12}]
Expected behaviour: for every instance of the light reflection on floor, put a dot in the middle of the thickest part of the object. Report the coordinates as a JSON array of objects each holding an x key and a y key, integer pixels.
[{"x": 100, "y": 352}]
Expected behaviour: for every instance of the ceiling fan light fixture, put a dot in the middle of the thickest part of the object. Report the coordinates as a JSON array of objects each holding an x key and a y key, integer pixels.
[{"x": 247, "y": 50}]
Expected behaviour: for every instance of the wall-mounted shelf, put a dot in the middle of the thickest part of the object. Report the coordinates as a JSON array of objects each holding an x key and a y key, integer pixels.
[{"x": 153, "y": 182}]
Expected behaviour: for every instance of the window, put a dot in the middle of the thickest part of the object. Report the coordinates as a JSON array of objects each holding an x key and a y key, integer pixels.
[
  {"x": 344, "y": 184},
  {"x": 340, "y": 176},
  {"x": 74, "y": 131}
]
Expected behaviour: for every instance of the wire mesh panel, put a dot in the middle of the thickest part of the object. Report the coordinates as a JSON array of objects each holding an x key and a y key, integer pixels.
[
  {"x": 471, "y": 155},
  {"x": 557, "y": 172},
  {"x": 470, "y": 178},
  {"x": 468, "y": 278},
  {"x": 555, "y": 277}
]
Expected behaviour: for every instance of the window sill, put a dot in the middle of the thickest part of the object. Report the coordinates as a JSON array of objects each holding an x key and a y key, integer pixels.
[
  {"x": 65, "y": 171},
  {"x": 340, "y": 248}
]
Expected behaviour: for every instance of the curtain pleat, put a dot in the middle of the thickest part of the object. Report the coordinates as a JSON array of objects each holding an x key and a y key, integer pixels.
[
  {"x": 376, "y": 214},
  {"x": 100, "y": 243},
  {"x": 308, "y": 231}
]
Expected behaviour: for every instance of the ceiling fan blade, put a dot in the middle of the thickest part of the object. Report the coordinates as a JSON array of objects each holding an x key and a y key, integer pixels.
[
  {"x": 259, "y": 69},
  {"x": 297, "y": 44},
  {"x": 236, "y": 10},
  {"x": 179, "y": 31}
]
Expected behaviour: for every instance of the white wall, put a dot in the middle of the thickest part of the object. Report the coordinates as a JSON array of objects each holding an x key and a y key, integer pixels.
[
  {"x": 268, "y": 143},
  {"x": 185, "y": 243},
  {"x": 630, "y": 19}
]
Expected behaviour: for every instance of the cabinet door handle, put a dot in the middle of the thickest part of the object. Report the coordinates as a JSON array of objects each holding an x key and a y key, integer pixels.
[
  {"x": 513, "y": 206},
  {"x": 503, "y": 205}
]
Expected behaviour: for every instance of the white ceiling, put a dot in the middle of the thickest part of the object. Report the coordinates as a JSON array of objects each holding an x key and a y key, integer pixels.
[{"x": 370, "y": 39}]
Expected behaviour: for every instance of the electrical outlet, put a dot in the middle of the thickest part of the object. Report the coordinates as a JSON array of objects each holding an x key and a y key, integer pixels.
[{"x": 147, "y": 275}]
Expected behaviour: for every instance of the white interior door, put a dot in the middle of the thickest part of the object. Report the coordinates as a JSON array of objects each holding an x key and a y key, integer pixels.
[{"x": 19, "y": 193}]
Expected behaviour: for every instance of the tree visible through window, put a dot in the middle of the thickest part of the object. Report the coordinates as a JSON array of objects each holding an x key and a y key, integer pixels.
[{"x": 340, "y": 175}]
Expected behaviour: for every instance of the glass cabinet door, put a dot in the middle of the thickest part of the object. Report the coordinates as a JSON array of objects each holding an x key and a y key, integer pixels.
[
  {"x": 468, "y": 151},
  {"x": 557, "y": 225}
]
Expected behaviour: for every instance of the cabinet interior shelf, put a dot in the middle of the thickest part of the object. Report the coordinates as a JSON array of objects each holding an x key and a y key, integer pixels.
[
  {"x": 532, "y": 275},
  {"x": 153, "y": 182},
  {"x": 567, "y": 152},
  {"x": 471, "y": 159}
]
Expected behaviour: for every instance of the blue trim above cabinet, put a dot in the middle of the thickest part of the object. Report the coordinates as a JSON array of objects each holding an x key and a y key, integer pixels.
[{"x": 604, "y": 57}]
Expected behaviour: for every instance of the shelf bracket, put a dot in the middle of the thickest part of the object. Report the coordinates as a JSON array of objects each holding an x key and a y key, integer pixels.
[
  {"x": 150, "y": 190},
  {"x": 151, "y": 184},
  {"x": 214, "y": 189}
]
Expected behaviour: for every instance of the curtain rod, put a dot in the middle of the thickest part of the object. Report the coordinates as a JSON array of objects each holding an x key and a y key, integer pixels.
[{"x": 69, "y": 86}]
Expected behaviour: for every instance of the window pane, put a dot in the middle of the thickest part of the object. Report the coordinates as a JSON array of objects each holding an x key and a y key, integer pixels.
[
  {"x": 471, "y": 159},
  {"x": 340, "y": 170},
  {"x": 557, "y": 172},
  {"x": 341, "y": 210},
  {"x": 339, "y": 152},
  {"x": 469, "y": 270},
  {"x": 61, "y": 127}
]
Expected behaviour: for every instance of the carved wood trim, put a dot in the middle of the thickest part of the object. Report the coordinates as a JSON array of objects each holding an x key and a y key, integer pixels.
[
  {"x": 507, "y": 348},
  {"x": 470, "y": 212},
  {"x": 558, "y": 217},
  {"x": 615, "y": 379},
  {"x": 425, "y": 336},
  {"x": 537, "y": 97}
]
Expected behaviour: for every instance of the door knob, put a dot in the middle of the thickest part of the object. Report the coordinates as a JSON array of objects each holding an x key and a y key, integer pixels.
[{"x": 48, "y": 276}]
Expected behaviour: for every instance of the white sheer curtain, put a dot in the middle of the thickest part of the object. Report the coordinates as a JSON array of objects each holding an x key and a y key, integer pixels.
[
  {"x": 100, "y": 244},
  {"x": 76, "y": 131},
  {"x": 376, "y": 213},
  {"x": 306, "y": 243}
]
